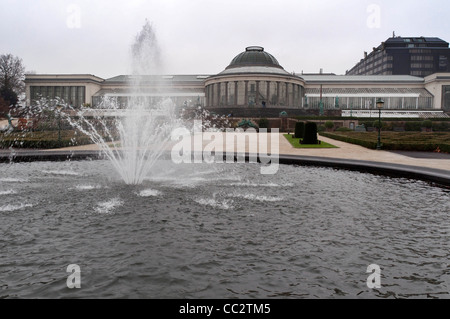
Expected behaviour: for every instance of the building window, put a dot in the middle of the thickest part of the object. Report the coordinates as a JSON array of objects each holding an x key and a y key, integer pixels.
[
  {"x": 443, "y": 63},
  {"x": 421, "y": 65},
  {"x": 58, "y": 91},
  {"x": 73, "y": 95},
  {"x": 420, "y": 51},
  {"x": 446, "y": 97},
  {"x": 81, "y": 95}
]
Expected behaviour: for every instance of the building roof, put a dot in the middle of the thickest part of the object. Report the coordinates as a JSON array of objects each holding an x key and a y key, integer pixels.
[
  {"x": 254, "y": 56},
  {"x": 163, "y": 79},
  {"x": 155, "y": 93},
  {"x": 319, "y": 79},
  {"x": 254, "y": 61},
  {"x": 366, "y": 92},
  {"x": 62, "y": 77},
  {"x": 255, "y": 69},
  {"x": 405, "y": 41}
]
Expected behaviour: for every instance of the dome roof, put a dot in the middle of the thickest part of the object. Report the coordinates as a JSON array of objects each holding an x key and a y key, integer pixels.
[{"x": 254, "y": 56}]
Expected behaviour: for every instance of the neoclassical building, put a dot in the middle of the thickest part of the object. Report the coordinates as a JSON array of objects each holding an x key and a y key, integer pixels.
[
  {"x": 254, "y": 83},
  {"x": 254, "y": 78}
]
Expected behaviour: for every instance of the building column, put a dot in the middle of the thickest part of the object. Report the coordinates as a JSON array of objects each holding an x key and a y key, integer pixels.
[
  {"x": 294, "y": 95},
  {"x": 218, "y": 94},
  {"x": 278, "y": 93},
  {"x": 287, "y": 94},
  {"x": 246, "y": 94},
  {"x": 211, "y": 95},
  {"x": 257, "y": 93},
  {"x": 226, "y": 93},
  {"x": 268, "y": 93},
  {"x": 236, "y": 93},
  {"x": 300, "y": 96},
  {"x": 208, "y": 101}
]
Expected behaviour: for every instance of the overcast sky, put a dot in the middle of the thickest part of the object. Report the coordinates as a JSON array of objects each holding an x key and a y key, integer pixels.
[{"x": 203, "y": 36}]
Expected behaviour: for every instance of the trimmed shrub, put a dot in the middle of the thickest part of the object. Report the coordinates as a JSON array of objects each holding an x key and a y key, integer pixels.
[
  {"x": 415, "y": 145},
  {"x": 368, "y": 144},
  {"x": 263, "y": 123},
  {"x": 413, "y": 126},
  {"x": 321, "y": 128},
  {"x": 43, "y": 140},
  {"x": 427, "y": 124},
  {"x": 441, "y": 126},
  {"x": 329, "y": 125},
  {"x": 310, "y": 136},
  {"x": 43, "y": 144},
  {"x": 299, "y": 129},
  {"x": 376, "y": 124}
]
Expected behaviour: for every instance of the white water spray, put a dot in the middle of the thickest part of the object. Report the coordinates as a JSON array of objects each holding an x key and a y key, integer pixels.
[{"x": 133, "y": 138}]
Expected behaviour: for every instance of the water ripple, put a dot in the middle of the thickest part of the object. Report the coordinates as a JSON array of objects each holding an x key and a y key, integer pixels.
[{"x": 303, "y": 233}]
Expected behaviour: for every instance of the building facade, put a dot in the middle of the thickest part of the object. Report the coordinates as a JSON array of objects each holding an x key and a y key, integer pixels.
[
  {"x": 254, "y": 78},
  {"x": 253, "y": 82},
  {"x": 417, "y": 56}
]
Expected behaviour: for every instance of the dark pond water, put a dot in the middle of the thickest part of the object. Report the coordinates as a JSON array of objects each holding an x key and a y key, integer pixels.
[{"x": 219, "y": 231}]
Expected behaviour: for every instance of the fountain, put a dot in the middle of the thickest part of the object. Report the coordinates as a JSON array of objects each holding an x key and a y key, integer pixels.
[
  {"x": 160, "y": 230},
  {"x": 137, "y": 134}
]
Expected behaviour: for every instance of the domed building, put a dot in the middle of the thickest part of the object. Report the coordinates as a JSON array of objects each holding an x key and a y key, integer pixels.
[
  {"x": 254, "y": 85},
  {"x": 254, "y": 78}
]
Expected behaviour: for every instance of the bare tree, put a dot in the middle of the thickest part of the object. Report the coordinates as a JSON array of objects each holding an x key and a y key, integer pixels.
[{"x": 12, "y": 73}]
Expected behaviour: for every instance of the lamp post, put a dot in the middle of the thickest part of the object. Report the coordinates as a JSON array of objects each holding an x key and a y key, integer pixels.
[{"x": 380, "y": 104}]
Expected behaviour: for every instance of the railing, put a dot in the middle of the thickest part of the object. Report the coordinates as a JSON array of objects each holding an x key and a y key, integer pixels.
[{"x": 394, "y": 114}]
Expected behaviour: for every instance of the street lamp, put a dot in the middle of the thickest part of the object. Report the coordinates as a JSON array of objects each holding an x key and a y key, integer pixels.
[{"x": 380, "y": 104}]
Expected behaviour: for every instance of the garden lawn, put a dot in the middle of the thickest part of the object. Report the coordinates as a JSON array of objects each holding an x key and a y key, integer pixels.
[{"x": 295, "y": 142}]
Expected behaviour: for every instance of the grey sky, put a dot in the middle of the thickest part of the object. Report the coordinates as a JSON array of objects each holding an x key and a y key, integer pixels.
[{"x": 203, "y": 36}]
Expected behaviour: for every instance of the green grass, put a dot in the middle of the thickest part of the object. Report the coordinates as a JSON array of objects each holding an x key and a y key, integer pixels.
[
  {"x": 295, "y": 142},
  {"x": 399, "y": 141}
]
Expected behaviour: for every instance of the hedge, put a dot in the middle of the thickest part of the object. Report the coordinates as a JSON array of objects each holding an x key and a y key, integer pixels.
[
  {"x": 362, "y": 119},
  {"x": 415, "y": 146},
  {"x": 42, "y": 144},
  {"x": 263, "y": 123},
  {"x": 310, "y": 136},
  {"x": 368, "y": 144},
  {"x": 299, "y": 130},
  {"x": 43, "y": 140}
]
